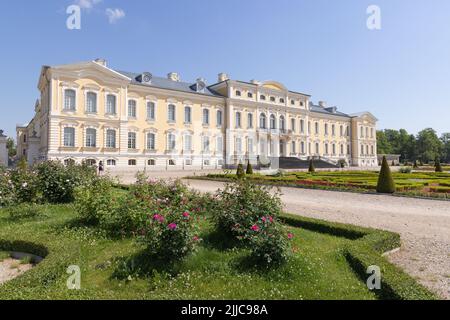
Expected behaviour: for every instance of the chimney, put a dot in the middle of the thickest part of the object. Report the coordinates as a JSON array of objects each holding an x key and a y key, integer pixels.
[
  {"x": 223, "y": 77},
  {"x": 323, "y": 104},
  {"x": 100, "y": 61},
  {"x": 174, "y": 76},
  {"x": 253, "y": 81}
]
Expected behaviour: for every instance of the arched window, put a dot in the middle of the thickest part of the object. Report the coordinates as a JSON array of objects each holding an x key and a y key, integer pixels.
[
  {"x": 111, "y": 104},
  {"x": 69, "y": 137},
  {"x": 69, "y": 162},
  {"x": 91, "y": 102},
  {"x": 131, "y": 140},
  {"x": 111, "y": 163},
  {"x": 151, "y": 111},
  {"x": 273, "y": 122},
  {"x": 282, "y": 123},
  {"x": 171, "y": 142},
  {"x": 250, "y": 120},
  {"x": 151, "y": 141},
  {"x": 219, "y": 118},
  {"x": 91, "y": 162},
  {"x": 187, "y": 114},
  {"x": 262, "y": 121},
  {"x": 132, "y": 108},
  {"x": 69, "y": 99},
  {"x": 110, "y": 138},
  {"x": 262, "y": 97},
  {"x": 91, "y": 138},
  {"x": 187, "y": 142},
  {"x": 205, "y": 117},
  {"x": 171, "y": 113},
  {"x": 238, "y": 93}
]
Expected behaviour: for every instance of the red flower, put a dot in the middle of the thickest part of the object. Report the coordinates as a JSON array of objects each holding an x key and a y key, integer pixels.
[
  {"x": 186, "y": 214},
  {"x": 172, "y": 226},
  {"x": 290, "y": 236},
  {"x": 255, "y": 228}
]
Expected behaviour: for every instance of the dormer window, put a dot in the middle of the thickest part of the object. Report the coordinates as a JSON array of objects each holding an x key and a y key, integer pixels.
[
  {"x": 262, "y": 97},
  {"x": 292, "y": 102},
  {"x": 250, "y": 95},
  {"x": 281, "y": 100},
  {"x": 302, "y": 103},
  {"x": 238, "y": 93},
  {"x": 272, "y": 99}
]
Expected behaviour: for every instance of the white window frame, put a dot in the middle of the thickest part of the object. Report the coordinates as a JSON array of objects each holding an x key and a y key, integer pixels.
[{"x": 87, "y": 93}]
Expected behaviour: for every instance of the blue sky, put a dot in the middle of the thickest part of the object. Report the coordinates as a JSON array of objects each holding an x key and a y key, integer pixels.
[{"x": 400, "y": 73}]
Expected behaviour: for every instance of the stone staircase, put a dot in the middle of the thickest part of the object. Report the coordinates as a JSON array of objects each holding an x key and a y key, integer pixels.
[{"x": 297, "y": 163}]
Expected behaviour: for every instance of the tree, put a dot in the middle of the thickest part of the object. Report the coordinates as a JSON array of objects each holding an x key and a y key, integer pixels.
[
  {"x": 446, "y": 147},
  {"x": 240, "y": 171},
  {"x": 311, "y": 168},
  {"x": 383, "y": 144},
  {"x": 11, "y": 146},
  {"x": 249, "y": 168},
  {"x": 428, "y": 145},
  {"x": 437, "y": 165},
  {"x": 385, "y": 181}
]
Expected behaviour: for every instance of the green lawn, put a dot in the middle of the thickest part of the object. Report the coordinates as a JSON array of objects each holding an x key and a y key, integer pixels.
[
  {"x": 426, "y": 184},
  {"x": 326, "y": 264}
]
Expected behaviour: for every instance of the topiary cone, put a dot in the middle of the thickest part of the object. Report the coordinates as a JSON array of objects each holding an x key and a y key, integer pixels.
[
  {"x": 311, "y": 168},
  {"x": 385, "y": 181},
  {"x": 249, "y": 168},
  {"x": 240, "y": 171}
]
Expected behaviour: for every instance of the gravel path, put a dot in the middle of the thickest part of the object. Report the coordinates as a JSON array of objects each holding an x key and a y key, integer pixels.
[
  {"x": 11, "y": 268},
  {"x": 424, "y": 225}
]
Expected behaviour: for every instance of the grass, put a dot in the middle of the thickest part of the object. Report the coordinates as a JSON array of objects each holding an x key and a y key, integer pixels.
[
  {"x": 422, "y": 184},
  {"x": 326, "y": 264}
]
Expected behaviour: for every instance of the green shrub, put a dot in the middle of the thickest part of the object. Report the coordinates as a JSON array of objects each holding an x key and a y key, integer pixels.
[
  {"x": 24, "y": 211},
  {"x": 58, "y": 182},
  {"x": 170, "y": 234},
  {"x": 268, "y": 242},
  {"x": 249, "y": 168},
  {"x": 7, "y": 196},
  {"x": 405, "y": 170},
  {"x": 385, "y": 180},
  {"x": 96, "y": 202},
  {"x": 241, "y": 204},
  {"x": 24, "y": 185},
  {"x": 311, "y": 168},
  {"x": 240, "y": 173}
]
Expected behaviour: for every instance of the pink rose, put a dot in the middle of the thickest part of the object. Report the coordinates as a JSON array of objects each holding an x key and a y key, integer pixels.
[
  {"x": 186, "y": 214},
  {"x": 263, "y": 219},
  {"x": 172, "y": 226},
  {"x": 290, "y": 236},
  {"x": 255, "y": 227}
]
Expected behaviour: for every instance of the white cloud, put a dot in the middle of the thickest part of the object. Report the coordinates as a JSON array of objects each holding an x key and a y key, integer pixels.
[
  {"x": 87, "y": 4},
  {"x": 115, "y": 14}
]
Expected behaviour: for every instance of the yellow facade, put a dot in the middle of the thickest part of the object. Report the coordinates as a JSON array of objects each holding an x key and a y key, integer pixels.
[{"x": 162, "y": 123}]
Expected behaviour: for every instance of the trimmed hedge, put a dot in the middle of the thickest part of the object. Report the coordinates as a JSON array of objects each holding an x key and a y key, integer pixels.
[{"x": 366, "y": 250}]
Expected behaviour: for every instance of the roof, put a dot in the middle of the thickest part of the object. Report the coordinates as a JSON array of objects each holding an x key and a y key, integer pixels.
[
  {"x": 164, "y": 83},
  {"x": 319, "y": 109}
]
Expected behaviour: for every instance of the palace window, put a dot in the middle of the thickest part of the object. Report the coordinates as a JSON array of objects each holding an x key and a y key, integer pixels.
[
  {"x": 238, "y": 93},
  {"x": 282, "y": 123},
  {"x": 292, "y": 102},
  {"x": 316, "y": 125},
  {"x": 293, "y": 147},
  {"x": 91, "y": 102},
  {"x": 362, "y": 150},
  {"x": 250, "y": 95},
  {"x": 132, "y": 162},
  {"x": 272, "y": 99},
  {"x": 326, "y": 148},
  {"x": 132, "y": 109},
  {"x": 219, "y": 144},
  {"x": 293, "y": 124},
  {"x": 91, "y": 162},
  {"x": 238, "y": 119},
  {"x": 69, "y": 137},
  {"x": 326, "y": 128},
  {"x": 91, "y": 138},
  {"x": 262, "y": 97},
  {"x": 250, "y": 145},
  {"x": 69, "y": 99},
  {"x": 205, "y": 144},
  {"x": 302, "y": 147},
  {"x": 111, "y": 162},
  {"x": 69, "y": 162},
  {"x": 187, "y": 143},
  {"x": 333, "y": 129},
  {"x": 111, "y": 104},
  {"x": 151, "y": 139},
  {"x": 317, "y": 148},
  {"x": 171, "y": 113},
  {"x": 205, "y": 117},
  {"x": 238, "y": 145},
  {"x": 273, "y": 122},
  {"x": 341, "y": 131},
  {"x": 219, "y": 118},
  {"x": 131, "y": 140},
  {"x": 302, "y": 126},
  {"x": 342, "y": 149},
  {"x": 250, "y": 120},
  {"x": 262, "y": 121},
  {"x": 281, "y": 100},
  {"x": 151, "y": 111},
  {"x": 187, "y": 114},
  {"x": 171, "y": 142},
  {"x": 334, "y": 149},
  {"x": 110, "y": 138},
  {"x": 151, "y": 162}
]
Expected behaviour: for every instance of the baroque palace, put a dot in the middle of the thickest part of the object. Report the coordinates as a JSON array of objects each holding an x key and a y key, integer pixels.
[{"x": 90, "y": 112}]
